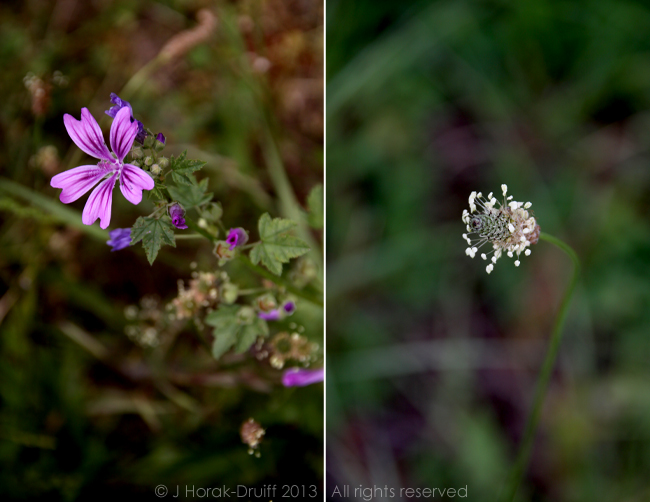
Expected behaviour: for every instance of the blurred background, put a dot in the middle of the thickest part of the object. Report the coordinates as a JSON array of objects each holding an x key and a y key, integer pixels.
[
  {"x": 98, "y": 396},
  {"x": 432, "y": 362}
]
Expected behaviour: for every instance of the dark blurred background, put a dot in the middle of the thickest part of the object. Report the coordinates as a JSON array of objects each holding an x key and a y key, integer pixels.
[
  {"x": 432, "y": 362},
  {"x": 93, "y": 403}
]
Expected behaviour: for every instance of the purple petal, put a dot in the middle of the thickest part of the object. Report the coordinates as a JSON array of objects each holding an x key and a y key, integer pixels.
[
  {"x": 77, "y": 181},
  {"x": 87, "y": 135},
  {"x": 236, "y": 237},
  {"x": 119, "y": 104},
  {"x": 272, "y": 315},
  {"x": 161, "y": 138},
  {"x": 296, "y": 377},
  {"x": 177, "y": 214},
  {"x": 142, "y": 134},
  {"x": 99, "y": 204},
  {"x": 120, "y": 238},
  {"x": 123, "y": 132},
  {"x": 133, "y": 181},
  {"x": 179, "y": 222}
]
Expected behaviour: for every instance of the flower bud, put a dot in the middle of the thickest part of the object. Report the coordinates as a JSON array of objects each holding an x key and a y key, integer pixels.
[
  {"x": 136, "y": 152},
  {"x": 236, "y": 237},
  {"x": 159, "y": 144},
  {"x": 266, "y": 302},
  {"x": 229, "y": 293},
  {"x": 156, "y": 170},
  {"x": 223, "y": 252},
  {"x": 246, "y": 315},
  {"x": 148, "y": 160},
  {"x": 177, "y": 214},
  {"x": 163, "y": 162}
]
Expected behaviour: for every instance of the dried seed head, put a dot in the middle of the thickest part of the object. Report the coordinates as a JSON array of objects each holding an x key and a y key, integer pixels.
[
  {"x": 508, "y": 226},
  {"x": 251, "y": 433}
]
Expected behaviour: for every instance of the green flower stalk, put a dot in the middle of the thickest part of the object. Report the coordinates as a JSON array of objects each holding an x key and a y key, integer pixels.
[{"x": 509, "y": 227}]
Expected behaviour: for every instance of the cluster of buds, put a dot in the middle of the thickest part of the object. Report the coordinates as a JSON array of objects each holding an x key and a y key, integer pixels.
[
  {"x": 285, "y": 347},
  {"x": 202, "y": 292},
  {"x": 251, "y": 433},
  {"x": 507, "y": 226}
]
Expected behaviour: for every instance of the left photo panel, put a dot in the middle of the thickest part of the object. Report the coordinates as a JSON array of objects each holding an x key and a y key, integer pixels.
[{"x": 161, "y": 250}]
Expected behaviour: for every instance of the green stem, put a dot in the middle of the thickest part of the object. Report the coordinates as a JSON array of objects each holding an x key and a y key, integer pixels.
[
  {"x": 280, "y": 281},
  {"x": 252, "y": 291},
  {"x": 188, "y": 236},
  {"x": 199, "y": 230},
  {"x": 158, "y": 210},
  {"x": 525, "y": 449}
]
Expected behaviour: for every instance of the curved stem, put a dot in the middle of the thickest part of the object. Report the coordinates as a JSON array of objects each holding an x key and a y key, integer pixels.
[{"x": 525, "y": 449}]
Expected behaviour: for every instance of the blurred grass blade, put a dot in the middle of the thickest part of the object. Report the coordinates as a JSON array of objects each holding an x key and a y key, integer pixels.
[
  {"x": 368, "y": 71},
  {"x": 56, "y": 209}
]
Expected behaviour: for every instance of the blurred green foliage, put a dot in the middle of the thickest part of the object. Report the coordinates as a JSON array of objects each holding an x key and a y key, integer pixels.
[
  {"x": 431, "y": 362},
  {"x": 84, "y": 411}
]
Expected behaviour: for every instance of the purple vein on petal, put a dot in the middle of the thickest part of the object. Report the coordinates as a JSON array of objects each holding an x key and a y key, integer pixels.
[
  {"x": 123, "y": 133},
  {"x": 133, "y": 181},
  {"x": 77, "y": 181},
  {"x": 84, "y": 133},
  {"x": 98, "y": 204}
]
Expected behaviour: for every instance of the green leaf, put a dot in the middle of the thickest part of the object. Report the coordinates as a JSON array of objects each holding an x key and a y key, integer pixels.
[
  {"x": 158, "y": 191},
  {"x": 315, "y": 205},
  {"x": 182, "y": 179},
  {"x": 212, "y": 212},
  {"x": 182, "y": 168},
  {"x": 276, "y": 246},
  {"x": 249, "y": 334},
  {"x": 153, "y": 233},
  {"x": 193, "y": 195},
  {"x": 235, "y": 326}
]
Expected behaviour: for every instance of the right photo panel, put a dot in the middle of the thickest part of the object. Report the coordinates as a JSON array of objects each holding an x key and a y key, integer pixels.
[{"x": 488, "y": 251}]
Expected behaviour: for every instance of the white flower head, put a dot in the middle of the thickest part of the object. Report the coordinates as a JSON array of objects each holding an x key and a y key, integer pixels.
[{"x": 507, "y": 227}]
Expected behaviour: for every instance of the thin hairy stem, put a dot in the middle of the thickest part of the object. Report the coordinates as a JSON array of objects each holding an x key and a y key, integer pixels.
[{"x": 525, "y": 449}]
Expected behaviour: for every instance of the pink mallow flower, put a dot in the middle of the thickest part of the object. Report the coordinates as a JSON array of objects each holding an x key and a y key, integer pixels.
[{"x": 88, "y": 136}]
